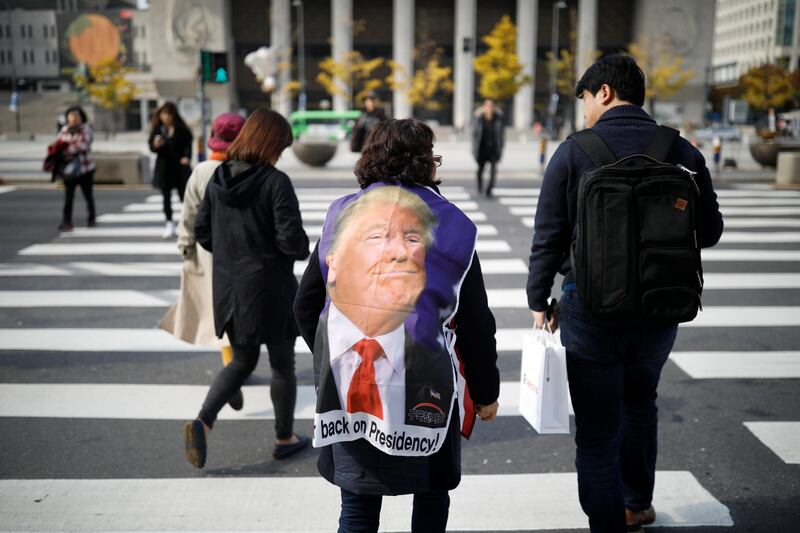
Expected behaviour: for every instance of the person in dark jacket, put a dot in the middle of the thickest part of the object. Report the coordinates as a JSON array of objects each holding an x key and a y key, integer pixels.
[
  {"x": 488, "y": 137},
  {"x": 171, "y": 139},
  {"x": 372, "y": 115},
  {"x": 400, "y": 152},
  {"x": 250, "y": 220},
  {"x": 613, "y": 371}
]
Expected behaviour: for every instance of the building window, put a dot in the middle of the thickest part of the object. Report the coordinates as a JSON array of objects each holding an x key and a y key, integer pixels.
[
  {"x": 24, "y": 57},
  {"x": 1, "y": 32},
  {"x": 47, "y": 56},
  {"x": 143, "y": 31},
  {"x": 44, "y": 30},
  {"x": 30, "y": 31},
  {"x": 144, "y": 58},
  {"x": 2, "y": 57},
  {"x": 33, "y": 59},
  {"x": 54, "y": 56},
  {"x": 22, "y": 31}
]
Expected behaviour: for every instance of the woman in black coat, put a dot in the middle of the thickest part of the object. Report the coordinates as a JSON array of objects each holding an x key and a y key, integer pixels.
[
  {"x": 401, "y": 152},
  {"x": 171, "y": 139},
  {"x": 250, "y": 221}
]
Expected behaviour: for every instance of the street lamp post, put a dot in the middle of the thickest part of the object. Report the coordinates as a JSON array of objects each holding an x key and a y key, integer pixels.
[
  {"x": 553, "y": 106},
  {"x": 301, "y": 55},
  {"x": 15, "y": 99}
]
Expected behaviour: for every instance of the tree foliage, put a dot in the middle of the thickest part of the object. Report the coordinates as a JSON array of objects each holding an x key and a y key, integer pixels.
[
  {"x": 663, "y": 70},
  {"x": 352, "y": 78},
  {"x": 106, "y": 85},
  {"x": 499, "y": 68},
  {"x": 426, "y": 86},
  {"x": 768, "y": 86}
]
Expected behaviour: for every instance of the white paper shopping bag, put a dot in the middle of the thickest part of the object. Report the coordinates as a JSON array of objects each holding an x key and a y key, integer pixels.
[{"x": 543, "y": 391}]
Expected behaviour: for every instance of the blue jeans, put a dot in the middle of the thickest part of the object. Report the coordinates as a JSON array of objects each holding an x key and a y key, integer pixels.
[
  {"x": 613, "y": 374},
  {"x": 361, "y": 513}
]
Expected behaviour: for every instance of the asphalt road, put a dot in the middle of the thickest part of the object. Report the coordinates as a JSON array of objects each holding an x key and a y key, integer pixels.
[{"x": 751, "y": 482}]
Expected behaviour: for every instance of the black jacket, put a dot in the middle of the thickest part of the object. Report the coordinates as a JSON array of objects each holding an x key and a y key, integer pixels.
[
  {"x": 626, "y": 130},
  {"x": 483, "y": 130},
  {"x": 250, "y": 220},
  {"x": 364, "y": 124},
  {"x": 168, "y": 171},
  {"x": 360, "y": 467}
]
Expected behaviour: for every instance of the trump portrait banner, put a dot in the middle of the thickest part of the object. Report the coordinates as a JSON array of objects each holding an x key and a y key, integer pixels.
[{"x": 393, "y": 259}]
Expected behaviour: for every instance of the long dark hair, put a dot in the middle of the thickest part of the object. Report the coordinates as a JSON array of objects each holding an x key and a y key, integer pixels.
[
  {"x": 264, "y": 136},
  {"x": 172, "y": 109},
  {"x": 398, "y": 151}
]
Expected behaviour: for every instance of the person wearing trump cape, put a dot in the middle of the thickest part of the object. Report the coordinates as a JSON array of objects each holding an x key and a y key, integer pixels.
[{"x": 394, "y": 309}]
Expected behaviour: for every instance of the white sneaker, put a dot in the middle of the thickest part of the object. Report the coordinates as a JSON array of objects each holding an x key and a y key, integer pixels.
[{"x": 169, "y": 231}]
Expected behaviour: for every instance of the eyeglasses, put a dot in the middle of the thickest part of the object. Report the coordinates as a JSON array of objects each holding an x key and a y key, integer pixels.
[{"x": 437, "y": 160}]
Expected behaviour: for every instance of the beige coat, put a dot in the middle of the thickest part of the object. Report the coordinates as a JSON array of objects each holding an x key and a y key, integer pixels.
[{"x": 192, "y": 318}]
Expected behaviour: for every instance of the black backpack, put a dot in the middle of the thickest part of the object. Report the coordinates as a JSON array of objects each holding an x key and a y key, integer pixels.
[{"x": 636, "y": 250}]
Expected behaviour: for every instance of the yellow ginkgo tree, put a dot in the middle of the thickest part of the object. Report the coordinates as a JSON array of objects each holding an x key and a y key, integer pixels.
[
  {"x": 499, "y": 68},
  {"x": 663, "y": 69},
  {"x": 106, "y": 86},
  {"x": 428, "y": 84},
  {"x": 351, "y": 78}
]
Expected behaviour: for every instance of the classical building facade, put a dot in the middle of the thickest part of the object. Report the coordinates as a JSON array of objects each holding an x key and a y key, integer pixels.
[{"x": 750, "y": 33}]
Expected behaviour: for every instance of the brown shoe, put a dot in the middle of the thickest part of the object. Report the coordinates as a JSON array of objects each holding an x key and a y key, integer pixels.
[{"x": 637, "y": 519}]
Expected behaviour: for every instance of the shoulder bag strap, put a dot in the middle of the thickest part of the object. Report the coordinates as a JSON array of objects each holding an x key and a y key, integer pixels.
[
  {"x": 662, "y": 142},
  {"x": 595, "y": 147}
]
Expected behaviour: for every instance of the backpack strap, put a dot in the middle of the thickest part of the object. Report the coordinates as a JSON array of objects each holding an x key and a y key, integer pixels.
[
  {"x": 595, "y": 147},
  {"x": 662, "y": 142}
]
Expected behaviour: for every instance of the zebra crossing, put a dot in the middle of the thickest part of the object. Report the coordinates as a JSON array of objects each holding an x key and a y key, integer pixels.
[{"x": 125, "y": 373}]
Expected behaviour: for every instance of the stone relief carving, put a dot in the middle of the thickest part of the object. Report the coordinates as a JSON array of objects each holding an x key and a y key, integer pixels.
[
  {"x": 188, "y": 27},
  {"x": 679, "y": 27}
]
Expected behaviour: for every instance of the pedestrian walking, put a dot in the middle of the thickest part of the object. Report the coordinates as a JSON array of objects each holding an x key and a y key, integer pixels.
[
  {"x": 614, "y": 359},
  {"x": 391, "y": 303},
  {"x": 191, "y": 319},
  {"x": 70, "y": 159},
  {"x": 250, "y": 221},
  {"x": 171, "y": 140},
  {"x": 488, "y": 137},
  {"x": 372, "y": 115}
]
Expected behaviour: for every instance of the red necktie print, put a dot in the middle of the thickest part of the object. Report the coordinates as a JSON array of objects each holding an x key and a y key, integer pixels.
[{"x": 363, "y": 396}]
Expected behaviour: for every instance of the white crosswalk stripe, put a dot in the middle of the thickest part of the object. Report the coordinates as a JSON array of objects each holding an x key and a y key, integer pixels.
[
  {"x": 783, "y": 438},
  {"x": 511, "y": 502}
]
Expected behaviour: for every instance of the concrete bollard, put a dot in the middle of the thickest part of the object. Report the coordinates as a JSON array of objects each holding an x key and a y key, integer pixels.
[
  {"x": 130, "y": 168},
  {"x": 788, "y": 172}
]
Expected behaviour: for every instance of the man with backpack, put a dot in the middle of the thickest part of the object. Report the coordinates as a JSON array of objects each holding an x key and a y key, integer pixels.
[{"x": 624, "y": 209}]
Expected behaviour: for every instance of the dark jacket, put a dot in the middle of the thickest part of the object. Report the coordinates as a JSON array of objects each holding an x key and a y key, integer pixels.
[
  {"x": 493, "y": 131},
  {"x": 169, "y": 172},
  {"x": 360, "y": 467},
  {"x": 364, "y": 124},
  {"x": 250, "y": 220},
  {"x": 626, "y": 130}
]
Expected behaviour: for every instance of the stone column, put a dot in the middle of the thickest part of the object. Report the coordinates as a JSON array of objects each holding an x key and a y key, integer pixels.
[
  {"x": 587, "y": 44},
  {"x": 402, "y": 50},
  {"x": 342, "y": 37},
  {"x": 793, "y": 59},
  {"x": 280, "y": 37},
  {"x": 527, "y": 21},
  {"x": 464, "y": 53}
]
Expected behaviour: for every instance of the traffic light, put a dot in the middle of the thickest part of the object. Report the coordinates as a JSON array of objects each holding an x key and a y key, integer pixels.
[{"x": 214, "y": 67}]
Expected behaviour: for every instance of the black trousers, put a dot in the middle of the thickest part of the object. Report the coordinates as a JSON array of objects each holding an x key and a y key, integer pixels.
[
  {"x": 166, "y": 192},
  {"x": 85, "y": 182},
  {"x": 283, "y": 390},
  {"x": 361, "y": 513},
  {"x": 492, "y": 173}
]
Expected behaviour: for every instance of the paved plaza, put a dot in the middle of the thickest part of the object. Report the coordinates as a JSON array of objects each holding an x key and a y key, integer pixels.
[{"x": 93, "y": 396}]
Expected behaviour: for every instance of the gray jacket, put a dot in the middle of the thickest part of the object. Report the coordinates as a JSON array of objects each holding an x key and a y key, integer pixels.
[{"x": 498, "y": 129}]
